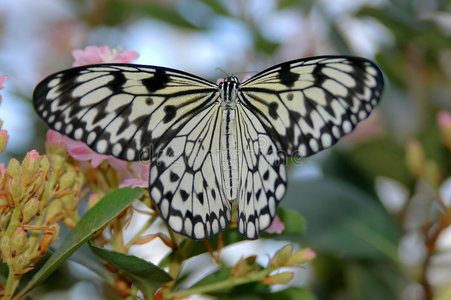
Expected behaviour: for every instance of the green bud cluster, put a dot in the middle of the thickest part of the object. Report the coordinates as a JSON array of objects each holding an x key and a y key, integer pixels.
[{"x": 34, "y": 196}]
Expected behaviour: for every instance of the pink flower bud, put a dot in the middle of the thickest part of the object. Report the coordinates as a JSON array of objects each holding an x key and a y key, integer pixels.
[
  {"x": 444, "y": 120},
  {"x": 301, "y": 256},
  {"x": 18, "y": 241},
  {"x": 3, "y": 78},
  {"x": 29, "y": 166},
  {"x": 5, "y": 246},
  {"x": 3, "y": 139},
  {"x": 245, "y": 266},
  {"x": 14, "y": 189},
  {"x": 30, "y": 209},
  {"x": 54, "y": 212},
  {"x": 2, "y": 169},
  {"x": 13, "y": 168},
  {"x": 281, "y": 257},
  {"x": 93, "y": 199},
  {"x": 67, "y": 180},
  {"x": 279, "y": 278},
  {"x": 276, "y": 226}
]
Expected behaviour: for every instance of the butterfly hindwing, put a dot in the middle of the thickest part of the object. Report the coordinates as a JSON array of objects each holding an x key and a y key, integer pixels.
[
  {"x": 263, "y": 175},
  {"x": 185, "y": 179}
]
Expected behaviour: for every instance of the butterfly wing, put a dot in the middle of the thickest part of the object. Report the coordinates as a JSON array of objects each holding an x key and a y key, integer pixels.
[
  {"x": 295, "y": 109},
  {"x": 263, "y": 174},
  {"x": 128, "y": 111},
  {"x": 307, "y": 105},
  {"x": 185, "y": 178}
]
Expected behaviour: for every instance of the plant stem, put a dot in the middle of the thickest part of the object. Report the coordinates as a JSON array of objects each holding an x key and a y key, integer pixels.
[
  {"x": 217, "y": 286},
  {"x": 11, "y": 284},
  {"x": 140, "y": 232}
]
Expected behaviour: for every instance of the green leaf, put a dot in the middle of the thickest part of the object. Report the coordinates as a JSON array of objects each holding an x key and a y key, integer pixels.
[
  {"x": 95, "y": 219},
  {"x": 293, "y": 221},
  {"x": 147, "y": 276},
  {"x": 218, "y": 276},
  {"x": 292, "y": 293},
  {"x": 343, "y": 219}
]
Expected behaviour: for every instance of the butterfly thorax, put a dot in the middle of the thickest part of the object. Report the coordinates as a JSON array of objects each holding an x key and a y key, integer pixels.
[{"x": 229, "y": 155}]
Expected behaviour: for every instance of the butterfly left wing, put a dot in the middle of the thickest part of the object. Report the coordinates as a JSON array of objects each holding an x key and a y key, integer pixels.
[{"x": 307, "y": 105}]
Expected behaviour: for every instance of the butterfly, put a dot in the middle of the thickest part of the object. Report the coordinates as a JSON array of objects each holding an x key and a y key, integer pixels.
[{"x": 212, "y": 144}]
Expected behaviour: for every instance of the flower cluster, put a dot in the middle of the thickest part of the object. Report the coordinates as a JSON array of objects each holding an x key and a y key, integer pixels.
[{"x": 35, "y": 195}]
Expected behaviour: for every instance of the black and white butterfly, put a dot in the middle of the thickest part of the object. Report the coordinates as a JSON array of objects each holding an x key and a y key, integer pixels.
[{"x": 211, "y": 144}]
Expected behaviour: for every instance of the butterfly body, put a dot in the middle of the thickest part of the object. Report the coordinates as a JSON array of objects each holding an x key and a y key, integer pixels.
[
  {"x": 229, "y": 155},
  {"x": 211, "y": 144}
]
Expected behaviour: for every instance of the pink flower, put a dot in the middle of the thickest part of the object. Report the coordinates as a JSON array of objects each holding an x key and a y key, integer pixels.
[
  {"x": 276, "y": 226},
  {"x": 54, "y": 137},
  {"x": 130, "y": 178},
  {"x": 219, "y": 81},
  {"x": 95, "y": 55},
  {"x": 3, "y": 78},
  {"x": 2, "y": 169},
  {"x": 246, "y": 78},
  {"x": 444, "y": 119},
  {"x": 80, "y": 151}
]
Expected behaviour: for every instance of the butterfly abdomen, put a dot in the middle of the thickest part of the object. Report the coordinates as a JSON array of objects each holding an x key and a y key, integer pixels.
[{"x": 229, "y": 155}]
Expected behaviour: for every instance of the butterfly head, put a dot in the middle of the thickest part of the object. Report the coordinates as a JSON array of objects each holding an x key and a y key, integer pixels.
[{"x": 229, "y": 91}]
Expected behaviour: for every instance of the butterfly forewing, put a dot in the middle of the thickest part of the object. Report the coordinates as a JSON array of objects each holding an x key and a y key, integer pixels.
[
  {"x": 307, "y": 105},
  {"x": 175, "y": 120},
  {"x": 128, "y": 111}
]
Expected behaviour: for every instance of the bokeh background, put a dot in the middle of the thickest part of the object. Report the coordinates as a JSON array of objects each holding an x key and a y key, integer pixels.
[{"x": 377, "y": 205}]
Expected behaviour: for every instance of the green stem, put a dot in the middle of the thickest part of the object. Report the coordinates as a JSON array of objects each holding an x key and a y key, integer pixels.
[
  {"x": 11, "y": 284},
  {"x": 217, "y": 286},
  {"x": 140, "y": 232}
]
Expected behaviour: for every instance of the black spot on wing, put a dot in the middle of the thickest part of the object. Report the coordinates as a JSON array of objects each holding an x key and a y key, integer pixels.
[
  {"x": 173, "y": 177},
  {"x": 184, "y": 195},
  {"x": 158, "y": 81},
  {"x": 170, "y": 113},
  {"x": 286, "y": 77},
  {"x": 272, "y": 109},
  {"x": 117, "y": 83}
]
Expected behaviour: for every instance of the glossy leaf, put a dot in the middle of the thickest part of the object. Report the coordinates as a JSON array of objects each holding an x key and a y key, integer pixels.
[
  {"x": 343, "y": 219},
  {"x": 147, "y": 276}
]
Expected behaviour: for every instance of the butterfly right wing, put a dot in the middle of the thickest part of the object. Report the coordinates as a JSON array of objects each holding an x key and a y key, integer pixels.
[
  {"x": 128, "y": 111},
  {"x": 185, "y": 178}
]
